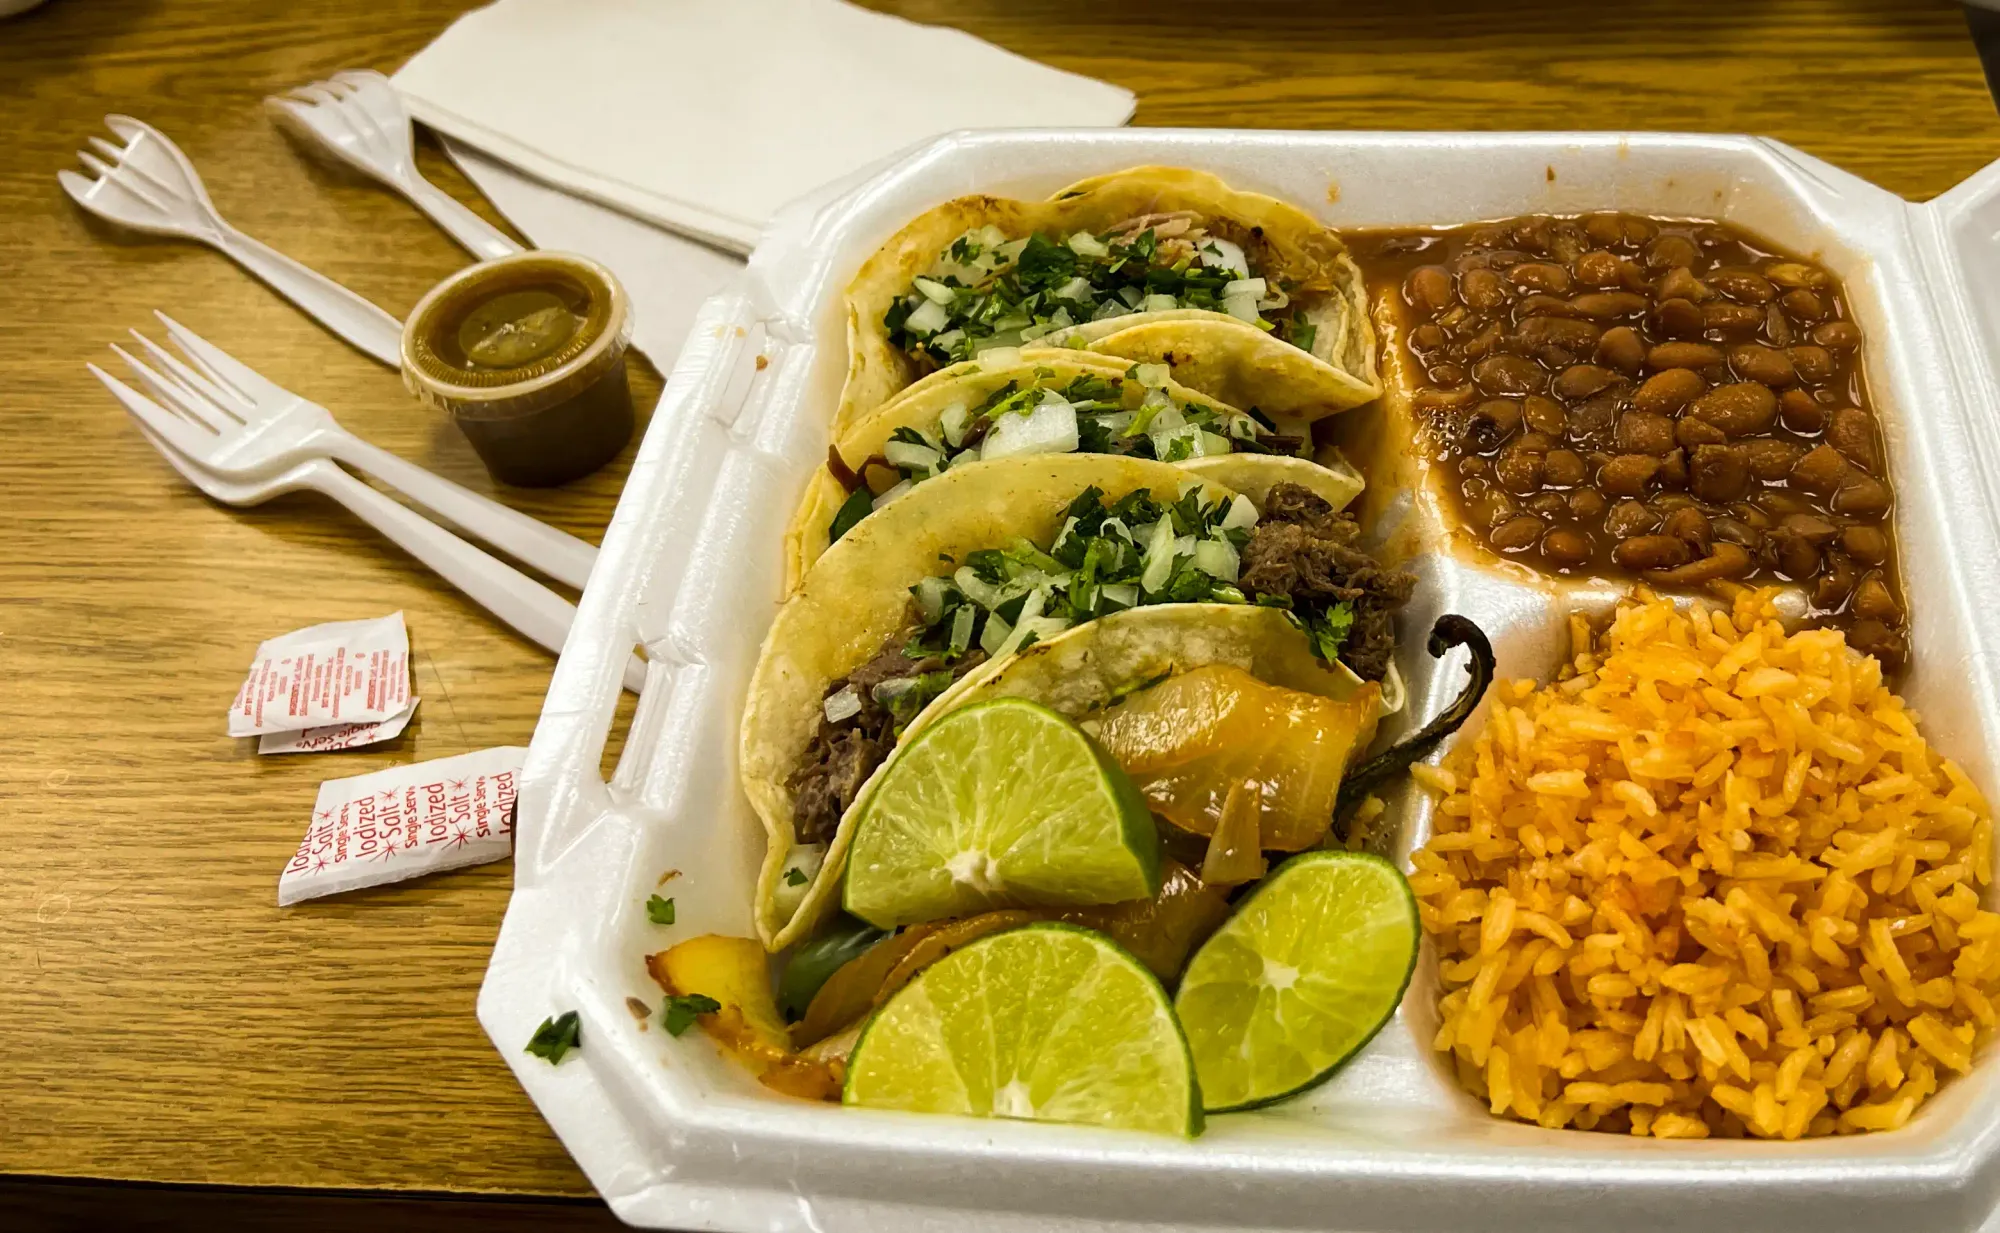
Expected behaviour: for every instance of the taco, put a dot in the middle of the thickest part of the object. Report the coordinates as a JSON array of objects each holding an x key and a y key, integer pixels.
[
  {"x": 1248, "y": 299},
  {"x": 1043, "y": 401},
  {"x": 983, "y": 562}
]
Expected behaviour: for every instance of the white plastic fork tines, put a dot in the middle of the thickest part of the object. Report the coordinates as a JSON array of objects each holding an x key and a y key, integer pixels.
[
  {"x": 260, "y": 429},
  {"x": 195, "y": 428},
  {"x": 149, "y": 185},
  {"x": 358, "y": 118}
]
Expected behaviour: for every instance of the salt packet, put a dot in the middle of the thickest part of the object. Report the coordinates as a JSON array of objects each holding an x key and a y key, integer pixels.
[
  {"x": 405, "y": 822},
  {"x": 337, "y": 674},
  {"x": 337, "y": 736}
]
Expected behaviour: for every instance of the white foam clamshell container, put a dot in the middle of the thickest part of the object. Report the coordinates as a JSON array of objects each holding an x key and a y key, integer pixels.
[{"x": 675, "y": 1136}]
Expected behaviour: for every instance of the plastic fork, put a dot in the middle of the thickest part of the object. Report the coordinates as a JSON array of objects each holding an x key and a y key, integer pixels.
[
  {"x": 149, "y": 185},
  {"x": 260, "y": 428},
  {"x": 358, "y": 117},
  {"x": 526, "y": 605}
]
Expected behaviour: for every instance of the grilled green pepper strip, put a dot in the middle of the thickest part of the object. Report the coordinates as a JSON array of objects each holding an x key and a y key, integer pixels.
[
  {"x": 820, "y": 958},
  {"x": 1450, "y": 631}
]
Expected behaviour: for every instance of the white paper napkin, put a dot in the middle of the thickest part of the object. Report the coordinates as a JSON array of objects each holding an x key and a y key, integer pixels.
[{"x": 705, "y": 116}]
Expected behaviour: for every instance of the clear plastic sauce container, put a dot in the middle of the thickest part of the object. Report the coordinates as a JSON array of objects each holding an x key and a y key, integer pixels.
[{"x": 528, "y": 355}]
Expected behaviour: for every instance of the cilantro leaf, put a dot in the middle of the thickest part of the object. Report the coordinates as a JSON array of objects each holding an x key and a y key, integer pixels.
[
  {"x": 857, "y": 506},
  {"x": 678, "y": 1013},
  {"x": 1045, "y": 264},
  {"x": 796, "y": 877},
  {"x": 660, "y": 911},
  {"x": 556, "y": 1037}
]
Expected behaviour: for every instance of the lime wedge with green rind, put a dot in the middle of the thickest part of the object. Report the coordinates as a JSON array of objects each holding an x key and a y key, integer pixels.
[
  {"x": 1048, "y": 1023},
  {"x": 998, "y": 804},
  {"x": 1304, "y": 973}
]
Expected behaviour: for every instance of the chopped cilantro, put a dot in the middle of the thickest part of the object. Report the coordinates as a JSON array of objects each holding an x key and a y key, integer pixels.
[
  {"x": 660, "y": 911},
  {"x": 677, "y": 1014},
  {"x": 796, "y": 877},
  {"x": 556, "y": 1037}
]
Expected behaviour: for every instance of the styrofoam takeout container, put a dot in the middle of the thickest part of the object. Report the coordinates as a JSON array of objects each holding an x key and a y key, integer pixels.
[{"x": 673, "y": 1135}]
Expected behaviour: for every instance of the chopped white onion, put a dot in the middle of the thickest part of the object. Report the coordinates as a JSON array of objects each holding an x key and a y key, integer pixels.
[
  {"x": 930, "y": 593},
  {"x": 1155, "y": 303},
  {"x": 980, "y": 592},
  {"x": 995, "y": 634},
  {"x": 843, "y": 703},
  {"x": 1216, "y": 558},
  {"x": 909, "y": 456},
  {"x": 1077, "y": 288},
  {"x": 1124, "y": 594},
  {"x": 1084, "y": 244},
  {"x": 1049, "y": 428},
  {"x": 929, "y": 318},
  {"x": 1219, "y": 254},
  {"x": 1214, "y": 443},
  {"x": 949, "y": 340},
  {"x": 954, "y": 421},
  {"x": 1241, "y": 307},
  {"x": 1031, "y": 608},
  {"x": 1243, "y": 286},
  {"x": 933, "y": 289},
  {"x": 1159, "y": 556},
  {"x": 898, "y": 491},
  {"x": 1152, "y": 376},
  {"x": 995, "y": 357},
  {"x": 1241, "y": 516}
]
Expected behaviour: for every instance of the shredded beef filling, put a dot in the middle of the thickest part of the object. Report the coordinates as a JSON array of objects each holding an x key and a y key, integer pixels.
[
  {"x": 842, "y": 755},
  {"x": 1302, "y": 548}
]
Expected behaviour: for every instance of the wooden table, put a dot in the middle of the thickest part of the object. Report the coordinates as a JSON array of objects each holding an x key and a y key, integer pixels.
[{"x": 161, "y": 1020}]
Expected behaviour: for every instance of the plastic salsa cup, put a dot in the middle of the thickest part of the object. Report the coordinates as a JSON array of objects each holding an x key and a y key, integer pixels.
[{"x": 527, "y": 353}]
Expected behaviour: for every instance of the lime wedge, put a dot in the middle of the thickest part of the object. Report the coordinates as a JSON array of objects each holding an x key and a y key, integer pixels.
[
  {"x": 1048, "y": 1022},
  {"x": 1001, "y": 803},
  {"x": 1307, "y": 970}
]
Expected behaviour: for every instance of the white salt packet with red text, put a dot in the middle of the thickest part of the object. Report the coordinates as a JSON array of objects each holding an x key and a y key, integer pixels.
[
  {"x": 405, "y": 822},
  {"x": 337, "y": 736},
  {"x": 342, "y": 672}
]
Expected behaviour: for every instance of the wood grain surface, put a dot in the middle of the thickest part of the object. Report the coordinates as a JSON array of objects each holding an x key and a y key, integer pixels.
[{"x": 160, "y": 1018}]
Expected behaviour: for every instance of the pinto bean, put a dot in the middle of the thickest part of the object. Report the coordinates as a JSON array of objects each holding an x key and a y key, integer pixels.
[
  {"x": 1821, "y": 470},
  {"x": 1762, "y": 364},
  {"x": 1666, "y": 392},
  {"x": 1482, "y": 289},
  {"x": 1737, "y": 531},
  {"x": 1652, "y": 552},
  {"x": 1542, "y": 305},
  {"x": 1691, "y": 433},
  {"x": 1580, "y": 381},
  {"x": 1801, "y": 412},
  {"x": 1629, "y": 518},
  {"x": 1628, "y": 474},
  {"x": 1518, "y": 532},
  {"x": 1587, "y": 503},
  {"x": 1591, "y": 421},
  {"x": 1426, "y": 337},
  {"x": 1813, "y": 364},
  {"x": 1837, "y": 335},
  {"x": 1683, "y": 355},
  {"x": 1852, "y": 432},
  {"x": 1730, "y": 318},
  {"x": 1794, "y": 274},
  {"x": 1873, "y": 600},
  {"x": 1804, "y": 307},
  {"x": 1778, "y": 327},
  {"x": 1861, "y": 495},
  {"x": 1673, "y": 471},
  {"x": 1566, "y": 546},
  {"x": 1668, "y": 251},
  {"x": 1491, "y": 422},
  {"x": 1743, "y": 286},
  {"x": 1679, "y": 318},
  {"x": 1680, "y": 283},
  {"x": 1509, "y": 374},
  {"x": 1564, "y": 469},
  {"x": 1617, "y": 230},
  {"x": 1545, "y": 415},
  {"x": 1865, "y": 544},
  {"x": 1644, "y": 432},
  {"x": 1565, "y": 332},
  {"x": 1690, "y": 524},
  {"x": 1771, "y": 460},
  {"x": 1739, "y": 409},
  {"x": 1724, "y": 560},
  {"x": 1540, "y": 276},
  {"x": 1604, "y": 305},
  {"x": 1519, "y": 470},
  {"x": 1597, "y": 268},
  {"x": 1877, "y": 639},
  {"x": 1719, "y": 473},
  {"x": 1620, "y": 348},
  {"x": 1429, "y": 289}
]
